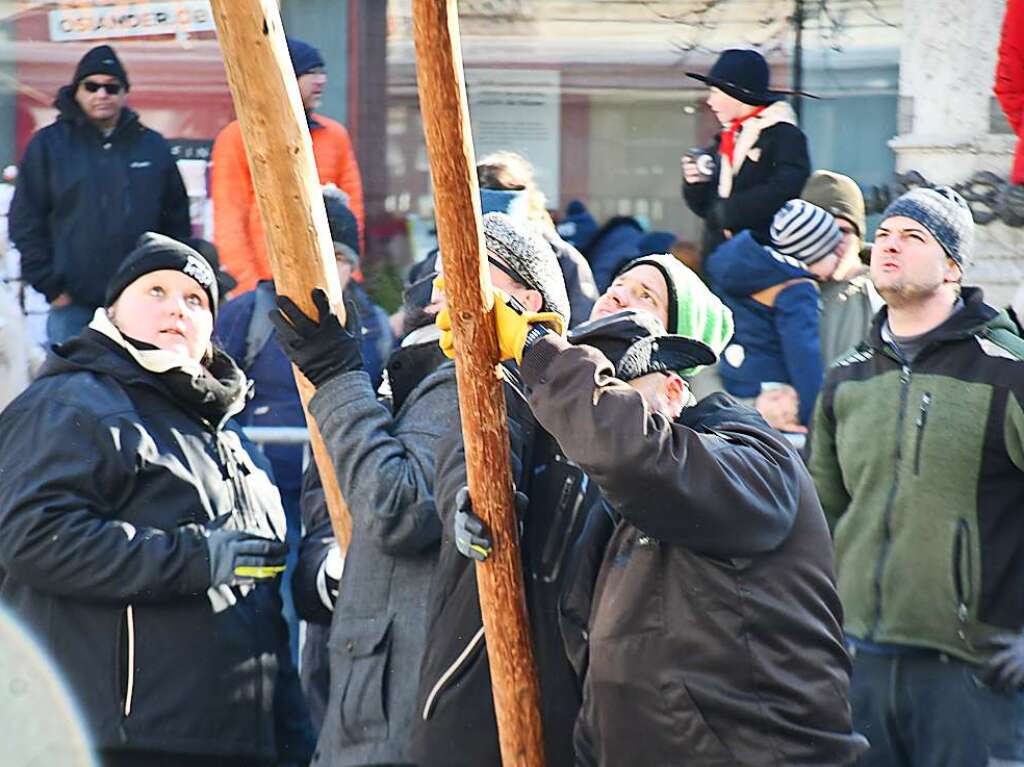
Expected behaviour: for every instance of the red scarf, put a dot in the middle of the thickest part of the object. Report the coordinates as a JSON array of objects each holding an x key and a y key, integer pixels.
[{"x": 728, "y": 143}]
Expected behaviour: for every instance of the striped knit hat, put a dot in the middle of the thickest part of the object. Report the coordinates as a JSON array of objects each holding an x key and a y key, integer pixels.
[{"x": 804, "y": 231}]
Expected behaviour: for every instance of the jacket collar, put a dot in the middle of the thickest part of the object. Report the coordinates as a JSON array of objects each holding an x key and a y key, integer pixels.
[
  {"x": 976, "y": 317},
  {"x": 69, "y": 111}
]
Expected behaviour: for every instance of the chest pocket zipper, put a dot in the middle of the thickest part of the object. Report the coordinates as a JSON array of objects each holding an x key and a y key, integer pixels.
[{"x": 920, "y": 423}]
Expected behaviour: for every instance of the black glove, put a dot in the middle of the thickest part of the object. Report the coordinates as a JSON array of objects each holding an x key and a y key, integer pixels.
[
  {"x": 321, "y": 349},
  {"x": 471, "y": 536},
  {"x": 238, "y": 557},
  {"x": 1004, "y": 670}
]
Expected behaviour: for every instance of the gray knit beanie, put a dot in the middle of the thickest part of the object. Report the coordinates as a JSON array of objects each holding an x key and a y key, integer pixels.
[
  {"x": 804, "y": 231},
  {"x": 942, "y": 212},
  {"x": 529, "y": 257}
]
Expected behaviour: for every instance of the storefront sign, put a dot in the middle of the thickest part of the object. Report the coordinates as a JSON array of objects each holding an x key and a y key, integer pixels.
[
  {"x": 130, "y": 20},
  {"x": 519, "y": 110}
]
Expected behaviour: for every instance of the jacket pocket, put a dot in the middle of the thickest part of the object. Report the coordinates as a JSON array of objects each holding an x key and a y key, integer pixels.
[
  {"x": 919, "y": 426},
  {"x": 629, "y": 596},
  {"x": 360, "y": 648},
  {"x": 962, "y": 574},
  {"x": 454, "y": 671},
  {"x": 125, "y": 666}
]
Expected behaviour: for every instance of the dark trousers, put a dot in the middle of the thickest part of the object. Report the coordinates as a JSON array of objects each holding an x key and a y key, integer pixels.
[{"x": 926, "y": 709}]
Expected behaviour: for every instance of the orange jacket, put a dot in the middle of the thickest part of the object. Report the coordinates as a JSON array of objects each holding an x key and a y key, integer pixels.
[
  {"x": 1009, "y": 86},
  {"x": 237, "y": 228}
]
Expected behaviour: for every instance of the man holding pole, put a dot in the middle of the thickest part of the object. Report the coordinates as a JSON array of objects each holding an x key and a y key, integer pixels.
[
  {"x": 715, "y": 631},
  {"x": 455, "y": 719}
]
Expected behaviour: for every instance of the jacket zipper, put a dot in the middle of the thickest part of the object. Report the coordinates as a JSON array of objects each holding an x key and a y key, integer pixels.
[
  {"x": 451, "y": 671},
  {"x": 883, "y": 554},
  {"x": 129, "y": 692},
  {"x": 922, "y": 420},
  {"x": 962, "y": 550}
]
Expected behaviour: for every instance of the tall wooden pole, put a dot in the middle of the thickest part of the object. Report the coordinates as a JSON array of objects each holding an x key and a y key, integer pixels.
[
  {"x": 481, "y": 399},
  {"x": 286, "y": 182}
]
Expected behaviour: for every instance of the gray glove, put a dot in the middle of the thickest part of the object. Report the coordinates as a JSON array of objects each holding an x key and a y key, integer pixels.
[
  {"x": 471, "y": 536},
  {"x": 1004, "y": 670},
  {"x": 238, "y": 557}
]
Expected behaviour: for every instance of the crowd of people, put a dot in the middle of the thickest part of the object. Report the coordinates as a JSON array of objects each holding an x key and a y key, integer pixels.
[{"x": 768, "y": 488}]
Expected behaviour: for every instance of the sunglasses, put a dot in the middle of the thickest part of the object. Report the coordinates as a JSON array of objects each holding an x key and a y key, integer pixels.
[{"x": 112, "y": 89}]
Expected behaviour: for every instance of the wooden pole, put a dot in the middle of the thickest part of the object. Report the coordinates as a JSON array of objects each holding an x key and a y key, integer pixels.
[
  {"x": 442, "y": 93},
  {"x": 286, "y": 183}
]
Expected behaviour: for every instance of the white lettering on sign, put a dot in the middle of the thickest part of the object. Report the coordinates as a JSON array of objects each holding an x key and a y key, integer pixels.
[{"x": 130, "y": 20}]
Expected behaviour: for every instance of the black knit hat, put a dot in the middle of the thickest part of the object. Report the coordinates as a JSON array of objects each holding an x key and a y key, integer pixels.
[
  {"x": 344, "y": 227},
  {"x": 303, "y": 55},
  {"x": 101, "y": 60},
  {"x": 157, "y": 251},
  {"x": 636, "y": 343}
]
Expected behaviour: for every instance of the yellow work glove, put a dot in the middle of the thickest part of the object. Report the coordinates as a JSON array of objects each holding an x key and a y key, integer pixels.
[{"x": 511, "y": 321}]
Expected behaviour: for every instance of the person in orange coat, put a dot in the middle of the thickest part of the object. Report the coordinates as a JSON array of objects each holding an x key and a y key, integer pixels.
[
  {"x": 238, "y": 229},
  {"x": 1009, "y": 85}
]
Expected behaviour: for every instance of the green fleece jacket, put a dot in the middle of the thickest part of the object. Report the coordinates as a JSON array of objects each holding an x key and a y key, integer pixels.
[{"x": 920, "y": 470}]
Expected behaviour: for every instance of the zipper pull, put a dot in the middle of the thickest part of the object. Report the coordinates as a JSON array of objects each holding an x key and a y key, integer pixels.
[{"x": 922, "y": 414}]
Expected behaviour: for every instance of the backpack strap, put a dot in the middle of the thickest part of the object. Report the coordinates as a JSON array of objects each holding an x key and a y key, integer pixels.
[
  {"x": 260, "y": 328},
  {"x": 767, "y": 296}
]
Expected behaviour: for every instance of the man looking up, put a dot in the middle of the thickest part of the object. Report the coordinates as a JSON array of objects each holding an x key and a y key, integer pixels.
[
  {"x": 917, "y": 450},
  {"x": 88, "y": 186},
  {"x": 715, "y": 630},
  {"x": 238, "y": 229}
]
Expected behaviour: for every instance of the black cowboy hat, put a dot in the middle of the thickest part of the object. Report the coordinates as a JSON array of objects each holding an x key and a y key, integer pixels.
[
  {"x": 743, "y": 74},
  {"x": 636, "y": 344}
]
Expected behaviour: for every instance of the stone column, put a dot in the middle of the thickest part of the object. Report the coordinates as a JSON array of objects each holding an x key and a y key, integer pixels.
[{"x": 947, "y": 117}]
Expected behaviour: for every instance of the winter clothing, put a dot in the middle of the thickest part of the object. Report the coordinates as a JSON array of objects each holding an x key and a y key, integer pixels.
[
  {"x": 101, "y": 60},
  {"x": 579, "y": 282},
  {"x": 715, "y": 630},
  {"x": 83, "y": 199},
  {"x": 942, "y": 212},
  {"x": 743, "y": 74},
  {"x": 320, "y": 348},
  {"x": 384, "y": 461},
  {"x": 518, "y": 247},
  {"x": 455, "y": 724},
  {"x": 803, "y": 231},
  {"x": 578, "y": 225},
  {"x": 344, "y": 229},
  {"x": 612, "y": 246},
  {"x": 304, "y": 56},
  {"x": 1009, "y": 85},
  {"x": 931, "y": 512},
  {"x": 655, "y": 242},
  {"x": 771, "y": 165},
  {"x": 847, "y": 309},
  {"x": 837, "y": 194},
  {"x": 774, "y": 301},
  {"x": 103, "y": 553},
  {"x": 155, "y": 252},
  {"x": 693, "y": 310},
  {"x": 238, "y": 229}
]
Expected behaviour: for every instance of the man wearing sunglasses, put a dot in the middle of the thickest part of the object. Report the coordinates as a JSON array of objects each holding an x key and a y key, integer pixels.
[{"x": 88, "y": 186}]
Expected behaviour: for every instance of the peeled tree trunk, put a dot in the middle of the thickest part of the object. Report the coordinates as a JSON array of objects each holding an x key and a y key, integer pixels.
[
  {"x": 286, "y": 183},
  {"x": 468, "y": 289}
]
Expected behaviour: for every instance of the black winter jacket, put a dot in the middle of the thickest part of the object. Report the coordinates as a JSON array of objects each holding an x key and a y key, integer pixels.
[
  {"x": 457, "y": 726},
  {"x": 82, "y": 200},
  {"x": 715, "y": 631},
  {"x": 105, "y": 477},
  {"x": 774, "y": 171}
]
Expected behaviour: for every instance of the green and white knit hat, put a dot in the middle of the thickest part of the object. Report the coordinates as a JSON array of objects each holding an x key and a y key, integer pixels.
[{"x": 693, "y": 310}]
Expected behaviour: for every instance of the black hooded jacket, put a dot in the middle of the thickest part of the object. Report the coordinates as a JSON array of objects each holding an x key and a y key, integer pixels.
[
  {"x": 82, "y": 200},
  {"x": 105, "y": 477}
]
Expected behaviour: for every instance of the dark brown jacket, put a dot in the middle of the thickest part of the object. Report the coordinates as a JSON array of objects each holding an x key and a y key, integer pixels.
[{"x": 715, "y": 633}]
